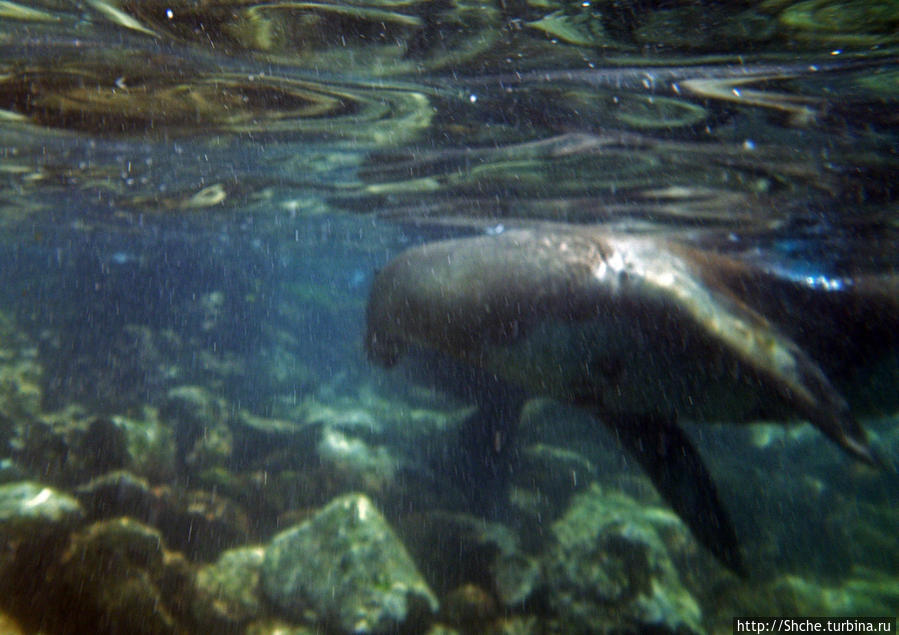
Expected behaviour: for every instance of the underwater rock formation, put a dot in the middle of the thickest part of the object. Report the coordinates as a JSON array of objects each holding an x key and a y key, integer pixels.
[
  {"x": 468, "y": 550},
  {"x": 71, "y": 446},
  {"x": 608, "y": 569},
  {"x": 113, "y": 576},
  {"x": 346, "y": 567},
  {"x": 198, "y": 522},
  {"x": 228, "y": 592},
  {"x": 28, "y": 509},
  {"x": 125, "y": 579},
  {"x": 200, "y": 424},
  {"x": 20, "y": 376},
  {"x": 150, "y": 446}
]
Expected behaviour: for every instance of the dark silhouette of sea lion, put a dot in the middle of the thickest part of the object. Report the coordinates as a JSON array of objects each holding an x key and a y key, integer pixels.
[{"x": 639, "y": 330}]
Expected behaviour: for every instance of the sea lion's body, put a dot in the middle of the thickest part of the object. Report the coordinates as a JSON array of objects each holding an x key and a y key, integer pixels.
[
  {"x": 639, "y": 330},
  {"x": 622, "y": 324}
]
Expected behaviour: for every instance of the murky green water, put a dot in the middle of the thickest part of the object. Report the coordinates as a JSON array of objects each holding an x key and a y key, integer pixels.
[{"x": 195, "y": 198}]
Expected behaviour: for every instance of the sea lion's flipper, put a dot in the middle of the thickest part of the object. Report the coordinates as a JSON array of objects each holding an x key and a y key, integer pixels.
[
  {"x": 748, "y": 335},
  {"x": 681, "y": 478},
  {"x": 481, "y": 460},
  {"x": 484, "y": 458}
]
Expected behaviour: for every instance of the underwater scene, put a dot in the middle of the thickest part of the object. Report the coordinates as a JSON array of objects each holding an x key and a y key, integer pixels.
[{"x": 448, "y": 316}]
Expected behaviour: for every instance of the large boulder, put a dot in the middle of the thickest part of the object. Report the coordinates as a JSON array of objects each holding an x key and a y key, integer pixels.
[
  {"x": 113, "y": 576},
  {"x": 608, "y": 568},
  {"x": 198, "y": 522},
  {"x": 28, "y": 509},
  {"x": 227, "y": 591},
  {"x": 69, "y": 446},
  {"x": 200, "y": 422},
  {"x": 125, "y": 579},
  {"x": 346, "y": 567}
]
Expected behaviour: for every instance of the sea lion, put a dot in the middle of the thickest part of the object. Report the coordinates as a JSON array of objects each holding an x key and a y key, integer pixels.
[{"x": 637, "y": 329}]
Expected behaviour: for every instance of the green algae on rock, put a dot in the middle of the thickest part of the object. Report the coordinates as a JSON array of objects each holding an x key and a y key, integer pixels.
[
  {"x": 346, "y": 566},
  {"x": 28, "y": 508},
  {"x": 608, "y": 568},
  {"x": 227, "y": 591},
  {"x": 149, "y": 445},
  {"x": 865, "y": 592},
  {"x": 69, "y": 447},
  {"x": 124, "y": 577},
  {"x": 862, "y": 592},
  {"x": 198, "y": 522},
  {"x": 199, "y": 421}
]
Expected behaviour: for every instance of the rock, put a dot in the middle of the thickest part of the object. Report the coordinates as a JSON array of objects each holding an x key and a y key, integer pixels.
[
  {"x": 345, "y": 415},
  {"x": 20, "y": 376},
  {"x": 545, "y": 478},
  {"x": 9, "y": 626},
  {"x": 332, "y": 443},
  {"x": 468, "y": 606},
  {"x": 515, "y": 576},
  {"x": 114, "y": 369},
  {"x": 609, "y": 570},
  {"x": 228, "y": 592},
  {"x": 509, "y": 625},
  {"x": 35, "y": 522},
  {"x": 278, "y": 627},
  {"x": 557, "y": 468},
  {"x": 521, "y": 625},
  {"x": 28, "y": 509},
  {"x": 70, "y": 447},
  {"x": 257, "y": 439},
  {"x": 149, "y": 446},
  {"x": 202, "y": 435},
  {"x": 112, "y": 577},
  {"x": 357, "y": 463},
  {"x": 200, "y": 523},
  {"x": 119, "y": 493},
  {"x": 346, "y": 567},
  {"x": 124, "y": 579},
  {"x": 865, "y": 592},
  {"x": 872, "y": 532},
  {"x": 468, "y": 550},
  {"x": 11, "y": 471}
]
